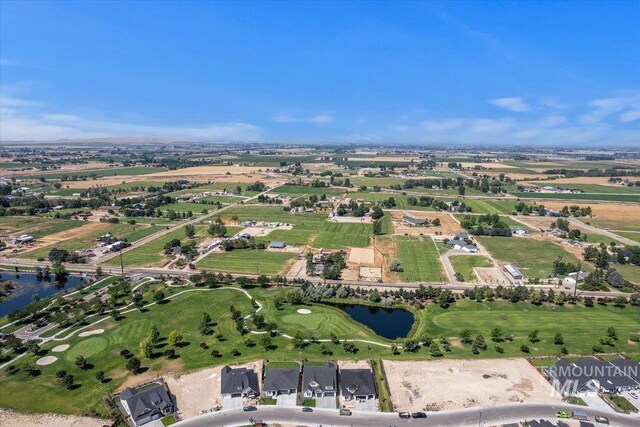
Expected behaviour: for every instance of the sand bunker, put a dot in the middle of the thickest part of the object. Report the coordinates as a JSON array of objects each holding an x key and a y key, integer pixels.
[
  {"x": 60, "y": 348},
  {"x": 47, "y": 360},
  {"x": 89, "y": 333},
  {"x": 304, "y": 311}
]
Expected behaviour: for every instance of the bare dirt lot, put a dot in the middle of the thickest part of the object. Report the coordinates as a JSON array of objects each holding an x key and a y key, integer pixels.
[
  {"x": 14, "y": 419},
  {"x": 210, "y": 170},
  {"x": 362, "y": 256},
  {"x": 490, "y": 275},
  {"x": 199, "y": 391},
  {"x": 448, "y": 225},
  {"x": 455, "y": 384}
]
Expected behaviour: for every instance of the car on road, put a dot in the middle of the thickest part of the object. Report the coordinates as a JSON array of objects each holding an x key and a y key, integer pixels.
[
  {"x": 563, "y": 414},
  {"x": 419, "y": 415},
  {"x": 602, "y": 420},
  {"x": 345, "y": 412},
  {"x": 307, "y": 409},
  {"x": 404, "y": 415},
  {"x": 249, "y": 408}
]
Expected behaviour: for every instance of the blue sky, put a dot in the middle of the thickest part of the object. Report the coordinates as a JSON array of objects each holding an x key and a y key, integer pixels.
[{"x": 565, "y": 73}]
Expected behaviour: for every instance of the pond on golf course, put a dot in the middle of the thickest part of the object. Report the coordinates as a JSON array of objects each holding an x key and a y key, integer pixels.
[
  {"x": 27, "y": 285},
  {"x": 390, "y": 323}
]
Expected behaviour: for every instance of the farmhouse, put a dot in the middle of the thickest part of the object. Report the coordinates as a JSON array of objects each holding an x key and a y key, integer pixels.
[
  {"x": 357, "y": 384},
  {"x": 514, "y": 272},
  {"x": 280, "y": 381},
  {"x": 320, "y": 381},
  {"x": 470, "y": 249},
  {"x": 239, "y": 382},
  {"x": 412, "y": 221},
  {"x": 456, "y": 244},
  {"x": 146, "y": 404},
  {"x": 572, "y": 279},
  {"x": 558, "y": 232}
]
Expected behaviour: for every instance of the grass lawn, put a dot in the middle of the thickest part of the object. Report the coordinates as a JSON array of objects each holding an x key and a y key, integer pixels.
[
  {"x": 419, "y": 258},
  {"x": 340, "y": 235},
  {"x": 623, "y": 403},
  {"x": 387, "y": 224},
  {"x": 251, "y": 261},
  {"x": 629, "y": 271},
  {"x": 580, "y": 326},
  {"x": 629, "y": 235},
  {"x": 282, "y": 365},
  {"x": 519, "y": 253},
  {"x": 464, "y": 265}
]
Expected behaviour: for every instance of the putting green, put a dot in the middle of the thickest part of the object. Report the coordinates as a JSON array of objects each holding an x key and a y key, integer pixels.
[{"x": 87, "y": 348}]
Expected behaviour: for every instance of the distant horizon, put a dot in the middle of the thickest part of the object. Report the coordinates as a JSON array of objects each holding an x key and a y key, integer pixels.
[{"x": 431, "y": 73}]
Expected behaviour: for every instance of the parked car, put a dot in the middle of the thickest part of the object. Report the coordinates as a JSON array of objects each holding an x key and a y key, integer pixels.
[
  {"x": 601, "y": 419},
  {"x": 345, "y": 412},
  {"x": 249, "y": 408},
  {"x": 307, "y": 409},
  {"x": 419, "y": 415},
  {"x": 563, "y": 414},
  {"x": 404, "y": 415}
]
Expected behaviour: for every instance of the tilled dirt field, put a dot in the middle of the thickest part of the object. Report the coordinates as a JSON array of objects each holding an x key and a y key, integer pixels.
[
  {"x": 9, "y": 418},
  {"x": 455, "y": 384}
]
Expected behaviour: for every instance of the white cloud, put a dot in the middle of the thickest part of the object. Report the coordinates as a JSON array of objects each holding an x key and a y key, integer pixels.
[
  {"x": 605, "y": 107},
  {"x": 630, "y": 116},
  {"x": 512, "y": 104},
  {"x": 552, "y": 121},
  {"x": 28, "y": 120},
  {"x": 439, "y": 126},
  {"x": 318, "y": 119}
]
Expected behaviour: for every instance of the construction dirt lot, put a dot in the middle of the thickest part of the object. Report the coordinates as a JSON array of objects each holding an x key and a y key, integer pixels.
[
  {"x": 9, "y": 418},
  {"x": 200, "y": 390},
  {"x": 448, "y": 224},
  {"x": 455, "y": 384}
]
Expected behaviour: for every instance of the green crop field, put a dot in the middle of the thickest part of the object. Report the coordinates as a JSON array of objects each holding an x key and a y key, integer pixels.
[
  {"x": 340, "y": 235},
  {"x": 629, "y": 235},
  {"x": 250, "y": 261},
  {"x": 420, "y": 259},
  {"x": 615, "y": 224},
  {"x": 401, "y": 200},
  {"x": 592, "y": 188},
  {"x": 464, "y": 265},
  {"x": 195, "y": 208},
  {"x": 485, "y": 206},
  {"x": 519, "y": 252},
  {"x": 580, "y": 196},
  {"x": 301, "y": 190}
]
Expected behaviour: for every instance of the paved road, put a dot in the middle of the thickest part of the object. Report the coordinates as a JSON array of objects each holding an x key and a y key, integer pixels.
[
  {"x": 607, "y": 233},
  {"x": 500, "y": 414}
]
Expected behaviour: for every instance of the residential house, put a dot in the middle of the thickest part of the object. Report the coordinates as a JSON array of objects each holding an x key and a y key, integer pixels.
[
  {"x": 572, "y": 279},
  {"x": 280, "y": 381},
  {"x": 558, "y": 232},
  {"x": 456, "y": 244},
  {"x": 412, "y": 221},
  {"x": 357, "y": 384},
  {"x": 277, "y": 245},
  {"x": 239, "y": 382},
  {"x": 320, "y": 381},
  {"x": 589, "y": 374},
  {"x": 461, "y": 236},
  {"x": 146, "y": 404},
  {"x": 520, "y": 232},
  {"x": 470, "y": 249}
]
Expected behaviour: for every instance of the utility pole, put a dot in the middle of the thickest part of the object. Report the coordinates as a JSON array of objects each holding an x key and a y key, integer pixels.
[{"x": 121, "y": 263}]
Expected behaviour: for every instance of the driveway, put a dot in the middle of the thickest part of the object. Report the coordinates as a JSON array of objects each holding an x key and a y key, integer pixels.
[
  {"x": 326, "y": 402},
  {"x": 286, "y": 400},
  {"x": 232, "y": 402},
  {"x": 594, "y": 401},
  {"x": 366, "y": 405}
]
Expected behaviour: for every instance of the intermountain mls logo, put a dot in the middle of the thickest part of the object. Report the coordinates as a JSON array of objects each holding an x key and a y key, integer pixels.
[{"x": 568, "y": 380}]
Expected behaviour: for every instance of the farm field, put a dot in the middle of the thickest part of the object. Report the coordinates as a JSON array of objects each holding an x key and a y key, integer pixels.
[
  {"x": 491, "y": 206},
  {"x": 250, "y": 261},
  {"x": 149, "y": 254},
  {"x": 420, "y": 259},
  {"x": 38, "y": 227},
  {"x": 629, "y": 235},
  {"x": 301, "y": 190},
  {"x": 334, "y": 235},
  {"x": 464, "y": 264},
  {"x": 615, "y": 224},
  {"x": 130, "y": 171},
  {"x": 580, "y": 196},
  {"x": 401, "y": 201},
  {"x": 591, "y": 188},
  {"x": 516, "y": 251},
  {"x": 87, "y": 240}
]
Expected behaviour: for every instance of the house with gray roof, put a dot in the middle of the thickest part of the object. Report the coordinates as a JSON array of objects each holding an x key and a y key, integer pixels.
[
  {"x": 239, "y": 382},
  {"x": 145, "y": 404},
  {"x": 413, "y": 221},
  {"x": 320, "y": 381},
  {"x": 357, "y": 384},
  {"x": 280, "y": 381}
]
